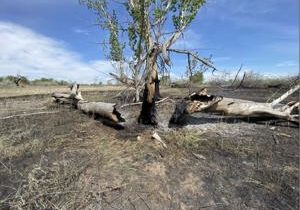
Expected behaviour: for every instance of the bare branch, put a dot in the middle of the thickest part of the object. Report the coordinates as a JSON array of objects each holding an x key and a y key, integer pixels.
[
  {"x": 242, "y": 81},
  {"x": 238, "y": 72},
  {"x": 139, "y": 103},
  {"x": 123, "y": 79},
  {"x": 284, "y": 96},
  {"x": 197, "y": 57}
]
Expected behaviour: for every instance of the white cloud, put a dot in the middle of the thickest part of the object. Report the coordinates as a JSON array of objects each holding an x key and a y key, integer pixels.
[
  {"x": 286, "y": 64},
  {"x": 34, "y": 55},
  {"x": 80, "y": 31}
]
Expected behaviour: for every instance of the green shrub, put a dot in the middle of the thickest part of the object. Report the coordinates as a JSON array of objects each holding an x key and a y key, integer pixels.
[
  {"x": 49, "y": 82},
  {"x": 12, "y": 80},
  {"x": 197, "y": 78}
]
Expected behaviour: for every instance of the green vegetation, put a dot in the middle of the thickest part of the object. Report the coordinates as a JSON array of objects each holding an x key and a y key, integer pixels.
[
  {"x": 13, "y": 80},
  {"x": 48, "y": 82},
  {"x": 10, "y": 81},
  {"x": 7, "y": 81},
  {"x": 197, "y": 78}
]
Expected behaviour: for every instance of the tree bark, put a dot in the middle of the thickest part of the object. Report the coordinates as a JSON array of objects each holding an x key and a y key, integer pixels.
[
  {"x": 198, "y": 102},
  {"x": 96, "y": 109},
  {"x": 151, "y": 91}
]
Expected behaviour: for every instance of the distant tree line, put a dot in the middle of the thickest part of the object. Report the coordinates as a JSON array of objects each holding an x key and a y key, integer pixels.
[{"x": 23, "y": 81}]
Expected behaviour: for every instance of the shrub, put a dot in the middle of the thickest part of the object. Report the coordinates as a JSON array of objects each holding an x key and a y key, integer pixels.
[
  {"x": 197, "y": 78},
  {"x": 253, "y": 80},
  {"x": 49, "y": 82},
  {"x": 12, "y": 80}
]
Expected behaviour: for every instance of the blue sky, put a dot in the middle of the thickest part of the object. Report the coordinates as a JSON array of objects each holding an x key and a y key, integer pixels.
[{"x": 58, "y": 38}]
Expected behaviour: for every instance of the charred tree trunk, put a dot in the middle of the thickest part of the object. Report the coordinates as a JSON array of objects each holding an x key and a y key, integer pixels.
[
  {"x": 151, "y": 91},
  {"x": 198, "y": 102},
  {"x": 157, "y": 92}
]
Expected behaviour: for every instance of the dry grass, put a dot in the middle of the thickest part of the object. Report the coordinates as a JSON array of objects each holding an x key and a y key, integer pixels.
[
  {"x": 37, "y": 90},
  {"x": 66, "y": 160}
]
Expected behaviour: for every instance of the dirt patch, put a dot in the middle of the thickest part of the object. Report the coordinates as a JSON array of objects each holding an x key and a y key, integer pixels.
[{"x": 156, "y": 169}]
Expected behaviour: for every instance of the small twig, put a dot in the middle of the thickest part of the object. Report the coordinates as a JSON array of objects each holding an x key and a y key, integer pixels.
[
  {"x": 139, "y": 103},
  {"x": 144, "y": 201},
  {"x": 28, "y": 114},
  {"x": 9, "y": 170},
  {"x": 284, "y": 135},
  {"x": 198, "y": 156},
  {"x": 275, "y": 139},
  {"x": 131, "y": 203},
  {"x": 157, "y": 138},
  {"x": 212, "y": 205}
]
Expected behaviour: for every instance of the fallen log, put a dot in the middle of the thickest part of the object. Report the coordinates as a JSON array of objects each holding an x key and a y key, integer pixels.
[
  {"x": 284, "y": 96},
  {"x": 201, "y": 101},
  {"x": 101, "y": 109},
  {"x": 96, "y": 109}
]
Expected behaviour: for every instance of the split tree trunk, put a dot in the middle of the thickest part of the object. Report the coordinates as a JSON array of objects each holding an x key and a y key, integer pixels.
[
  {"x": 201, "y": 101},
  {"x": 151, "y": 91}
]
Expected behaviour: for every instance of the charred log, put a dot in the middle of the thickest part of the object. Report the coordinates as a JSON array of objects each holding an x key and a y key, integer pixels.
[{"x": 198, "y": 102}]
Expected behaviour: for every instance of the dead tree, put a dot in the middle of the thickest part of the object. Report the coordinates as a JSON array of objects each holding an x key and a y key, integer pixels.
[
  {"x": 17, "y": 80},
  {"x": 201, "y": 101},
  {"x": 107, "y": 111}
]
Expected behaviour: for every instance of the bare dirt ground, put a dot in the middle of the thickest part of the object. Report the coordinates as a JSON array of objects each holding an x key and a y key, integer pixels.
[{"x": 59, "y": 158}]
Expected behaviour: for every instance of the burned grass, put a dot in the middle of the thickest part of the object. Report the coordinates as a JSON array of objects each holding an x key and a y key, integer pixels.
[{"x": 66, "y": 160}]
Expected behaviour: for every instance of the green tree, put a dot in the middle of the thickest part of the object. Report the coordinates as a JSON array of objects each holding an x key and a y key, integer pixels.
[
  {"x": 146, "y": 24},
  {"x": 197, "y": 78}
]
